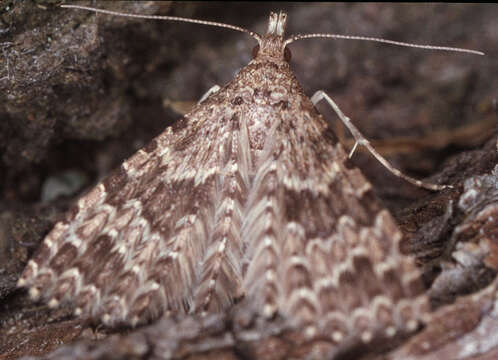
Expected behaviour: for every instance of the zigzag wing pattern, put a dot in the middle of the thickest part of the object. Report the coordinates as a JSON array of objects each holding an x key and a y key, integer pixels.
[
  {"x": 131, "y": 248},
  {"x": 320, "y": 249},
  {"x": 248, "y": 196}
]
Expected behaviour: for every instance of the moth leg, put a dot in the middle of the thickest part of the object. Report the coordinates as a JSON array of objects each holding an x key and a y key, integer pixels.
[
  {"x": 361, "y": 140},
  {"x": 183, "y": 107},
  {"x": 211, "y": 91}
]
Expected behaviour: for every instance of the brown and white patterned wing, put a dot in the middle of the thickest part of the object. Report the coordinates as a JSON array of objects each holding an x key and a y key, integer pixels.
[
  {"x": 320, "y": 250},
  {"x": 140, "y": 242},
  {"x": 248, "y": 195}
]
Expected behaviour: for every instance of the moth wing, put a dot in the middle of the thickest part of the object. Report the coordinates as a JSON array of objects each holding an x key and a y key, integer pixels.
[
  {"x": 135, "y": 246},
  {"x": 319, "y": 247}
]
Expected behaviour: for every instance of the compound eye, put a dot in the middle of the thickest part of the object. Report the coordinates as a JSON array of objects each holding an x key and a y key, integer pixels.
[
  {"x": 255, "y": 51},
  {"x": 287, "y": 54}
]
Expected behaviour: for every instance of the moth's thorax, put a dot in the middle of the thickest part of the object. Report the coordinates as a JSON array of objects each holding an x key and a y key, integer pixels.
[{"x": 266, "y": 96}]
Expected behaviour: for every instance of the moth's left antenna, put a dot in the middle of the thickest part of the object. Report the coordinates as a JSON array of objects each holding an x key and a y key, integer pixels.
[{"x": 167, "y": 18}]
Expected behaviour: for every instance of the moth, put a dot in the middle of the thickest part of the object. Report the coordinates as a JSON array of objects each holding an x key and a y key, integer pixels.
[{"x": 248, "y": 197}]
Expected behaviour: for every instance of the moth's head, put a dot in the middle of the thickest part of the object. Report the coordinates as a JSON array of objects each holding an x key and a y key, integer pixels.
[{"x": 273, "y": 45}]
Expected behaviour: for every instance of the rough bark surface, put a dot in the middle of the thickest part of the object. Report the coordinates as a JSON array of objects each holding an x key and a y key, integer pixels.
[{"x": 79, "y": 93}]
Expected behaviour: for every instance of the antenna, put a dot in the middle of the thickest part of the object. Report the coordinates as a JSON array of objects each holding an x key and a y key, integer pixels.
[
  {"x": 168, "y": 18},
  {"x": 258, "y": 37},
  {"x": 381, "y": 40}
]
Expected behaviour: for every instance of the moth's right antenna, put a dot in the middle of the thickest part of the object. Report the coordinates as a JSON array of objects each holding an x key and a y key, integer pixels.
[{"x": 381, "y": 40}]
